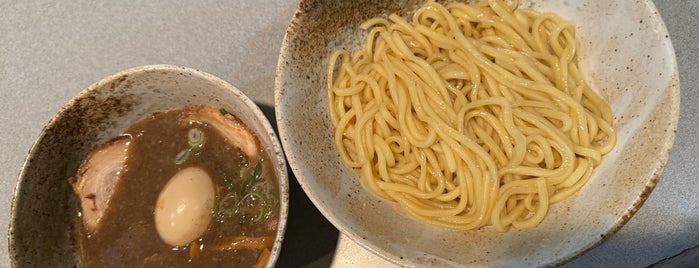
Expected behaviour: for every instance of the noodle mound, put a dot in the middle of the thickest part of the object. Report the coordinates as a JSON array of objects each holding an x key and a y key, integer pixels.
[{"x": 468, "y": 115}]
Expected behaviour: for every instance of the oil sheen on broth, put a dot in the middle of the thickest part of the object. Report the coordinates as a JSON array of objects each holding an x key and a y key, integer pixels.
[{"x": 193, "y": 160}]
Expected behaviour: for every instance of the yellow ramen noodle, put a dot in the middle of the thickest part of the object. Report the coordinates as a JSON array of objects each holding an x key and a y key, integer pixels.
[{"x": 468, "y": 115}]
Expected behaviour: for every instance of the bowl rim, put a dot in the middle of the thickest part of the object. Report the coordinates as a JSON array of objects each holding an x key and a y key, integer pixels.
[
  {"x": 276, "y": 148},
  {"x": 673, "y": 90}
]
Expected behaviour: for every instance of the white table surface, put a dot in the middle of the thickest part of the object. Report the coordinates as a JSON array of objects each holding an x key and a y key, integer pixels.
[{"x": 51, "y": 50}]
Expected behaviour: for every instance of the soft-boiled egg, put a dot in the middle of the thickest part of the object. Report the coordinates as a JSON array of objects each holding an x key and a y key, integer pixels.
[{"x": 183, "y": 210}]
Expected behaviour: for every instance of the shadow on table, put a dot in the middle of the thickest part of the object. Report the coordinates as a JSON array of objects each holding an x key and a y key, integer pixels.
[{"x": 310, "y": 239}]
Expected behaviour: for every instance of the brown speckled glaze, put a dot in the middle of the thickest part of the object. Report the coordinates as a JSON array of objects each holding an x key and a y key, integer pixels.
[
  {"x": 44, "y": 207},
  {"x": 631, "y": 64}
]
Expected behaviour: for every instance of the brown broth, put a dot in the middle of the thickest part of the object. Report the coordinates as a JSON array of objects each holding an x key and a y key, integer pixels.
[{"x": 128, "y": 237}]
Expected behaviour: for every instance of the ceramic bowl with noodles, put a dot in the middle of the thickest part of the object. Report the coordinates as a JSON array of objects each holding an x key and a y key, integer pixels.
[{"x": 629, "y": 65}]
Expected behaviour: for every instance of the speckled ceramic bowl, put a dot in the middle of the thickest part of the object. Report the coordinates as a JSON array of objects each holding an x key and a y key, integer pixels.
[
  {"x": 625, "y": 54},
  {"x": 44, "y": 208}
]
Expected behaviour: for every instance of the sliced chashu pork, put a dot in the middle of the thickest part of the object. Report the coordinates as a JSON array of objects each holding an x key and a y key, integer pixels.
[
  {"x": 231, "y": 128},
  {"x": 97, "y": 178}
]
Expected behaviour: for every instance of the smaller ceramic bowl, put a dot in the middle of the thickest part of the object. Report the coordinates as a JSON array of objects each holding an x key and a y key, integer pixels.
[{"x": 43, "y": 207}]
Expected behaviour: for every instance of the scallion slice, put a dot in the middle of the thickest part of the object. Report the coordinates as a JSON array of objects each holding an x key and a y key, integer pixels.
[
  {"x": 182, "y": 156},
  {"x": 195, "y": 137}
]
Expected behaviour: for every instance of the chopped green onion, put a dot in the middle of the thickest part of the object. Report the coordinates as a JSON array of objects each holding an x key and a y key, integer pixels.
[
  {"x": 251, "y": 179},
  {"x": 262, "y": 215},
  {"x": 223, "y": 210},
  {"x": 251, "y": 203},
  {"x": 223, "y": 111},
  {"x": 257, "y": 171},
  {"x": 182, "y": 156},
  {"x": 195, "y": 137}
]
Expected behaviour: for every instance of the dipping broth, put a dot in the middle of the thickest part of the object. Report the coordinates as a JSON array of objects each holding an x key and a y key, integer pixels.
[{"x": 191, "y": 188}]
